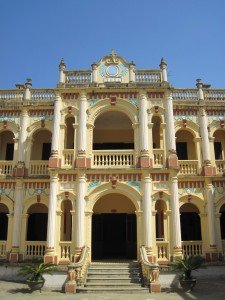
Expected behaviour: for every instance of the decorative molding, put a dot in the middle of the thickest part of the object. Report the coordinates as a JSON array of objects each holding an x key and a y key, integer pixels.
[
  {"x": 134, "y": 184},
  {"x": 93, "y": 184}
]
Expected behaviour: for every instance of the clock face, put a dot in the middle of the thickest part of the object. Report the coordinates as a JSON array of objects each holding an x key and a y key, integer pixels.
[{"x": 112, "y": 70}]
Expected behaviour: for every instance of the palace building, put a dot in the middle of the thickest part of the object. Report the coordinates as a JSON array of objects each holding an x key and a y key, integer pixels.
[{"x": 112, "y": 160}]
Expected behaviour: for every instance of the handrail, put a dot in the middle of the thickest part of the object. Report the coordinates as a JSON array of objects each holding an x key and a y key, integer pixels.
[
  {"x": 77, "y": 271},
  {"x": 150, "y": 271}
]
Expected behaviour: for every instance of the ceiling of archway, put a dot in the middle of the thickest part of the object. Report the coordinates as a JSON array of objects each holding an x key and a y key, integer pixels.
[{"x": 113, "y": 120}]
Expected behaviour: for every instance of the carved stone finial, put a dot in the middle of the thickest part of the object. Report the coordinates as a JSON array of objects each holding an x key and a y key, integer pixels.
[
  {"x": 199, "y": 83},
  {"x": 163, "y": 63},
  {"x": 28, "y": 83},
  {"x": 113, "y": 52},
  {"x": 62, "y": 64}
]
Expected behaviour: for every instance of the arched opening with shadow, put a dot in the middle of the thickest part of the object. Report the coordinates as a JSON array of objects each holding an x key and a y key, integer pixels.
[
  {"x": 222, "y": 221},
  {"x": 190, "y": 223},
  {"x": 114, "y": 229},
  {"x": 160, "y": 207},
  {"x": 37, "y": 222},
  {"x": 3, "y": 222},
  {"x": 66, "y": 220}
]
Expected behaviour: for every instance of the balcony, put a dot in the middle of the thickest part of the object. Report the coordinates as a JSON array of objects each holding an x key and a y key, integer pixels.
[
  {"x": 113, "y": 159},
  {"x": 162, "y": 250},
  {"x": 188, "y": 167},
  {"x": 192, "y": 248},
  {"x": 220, "y": 167},
  {"x": 6, "y": 167},
  {"x": 38, "y": 168}
]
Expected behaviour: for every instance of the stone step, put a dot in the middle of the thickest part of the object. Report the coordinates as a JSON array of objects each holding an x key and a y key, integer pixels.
[
  {"x": 104, "y": 280},
  {"x": 111, "y": 284},
  {"x": 113, "y": 272},
  {"x": 124, "y": 290},
  {"x": 112, "y": 276}
]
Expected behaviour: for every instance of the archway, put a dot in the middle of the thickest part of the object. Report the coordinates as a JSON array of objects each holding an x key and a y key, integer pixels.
[
  {"x": 113, "y": 130},
  {"x": 7, "y": 145},
  {"x": 3, "y": 222},
  {"x": 190, "y": 223},
  {"x": 114, "y": 229},
  {"x": 37, "y": 222},
  {"x": 222, "y": 221},
  {"x": 41, "y": 148},
  {"x": 185, "y": 145},
  {"x": 160, "y": 207},
  {"x": 66, "y": 221}
]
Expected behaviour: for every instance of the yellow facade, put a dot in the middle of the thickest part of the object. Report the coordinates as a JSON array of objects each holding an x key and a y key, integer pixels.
[{"x": 92, "y": 163}]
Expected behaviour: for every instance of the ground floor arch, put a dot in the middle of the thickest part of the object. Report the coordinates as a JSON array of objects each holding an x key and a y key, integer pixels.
[
  {"x": 3, "y": 222},
  {"x": 114, "y": 228},
  {"x": 37, "y": 222}
]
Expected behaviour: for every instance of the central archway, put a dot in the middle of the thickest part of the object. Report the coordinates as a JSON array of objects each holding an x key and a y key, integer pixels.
[{"x": 114, "y": 228}]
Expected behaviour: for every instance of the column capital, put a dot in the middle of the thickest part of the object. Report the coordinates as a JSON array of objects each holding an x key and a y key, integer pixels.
[{"x": 83, "y": 95}]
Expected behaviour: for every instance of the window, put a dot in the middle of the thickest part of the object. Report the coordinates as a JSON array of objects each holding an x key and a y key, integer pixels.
[
  {"x": 182, "y": 150},
  {"x": 46, "y": 151},
  {"x": 218, "y": 150},
  {"x": 9, "y": 151}
]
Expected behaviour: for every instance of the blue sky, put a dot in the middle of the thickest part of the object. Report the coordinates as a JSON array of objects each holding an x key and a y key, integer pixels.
[{"x": 35, "y": 34}]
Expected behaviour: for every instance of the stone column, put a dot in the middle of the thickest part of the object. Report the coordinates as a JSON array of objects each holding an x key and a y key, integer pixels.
[
  {"x": 50, "y": 255},
  {"x": 18, "y": 206},
  {"x": 163, "y": 67},
  {"x": 62, "y": 68},
  {"x": 209, "y": 191},
  {"x": 147, "y": 213},
  {"x": 131, "y": 72},
  {"x": 55, "y": 160},
  {"x": 82, "y": 161},
  {"x": 175, "y": 218},
  {"x": 80, "y": 216},
  {"x": 207, "y": 168},
  {"x": 21, "y": 168},
  {"x": 144, "y": 159},
  {"x": 172, "y": 161}
]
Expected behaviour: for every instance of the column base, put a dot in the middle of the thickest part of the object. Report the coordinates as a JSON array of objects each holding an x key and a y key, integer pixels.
[
  {"x": 208, "y": 171},
  {"x": 14, "y": 256},
  {"x": 172, "y": 161},
  {"x": 50, "y": 256},
  {"x": 55, "y": 162},
  {"x": 177, "y": 253},
  {"x": 20, "y": 171},
  {"x": 155, "y": 287},
  {"x": 83, "y": 162},
  {"x": 70, "y": 287},
  {"x": 145, "y": 162}
]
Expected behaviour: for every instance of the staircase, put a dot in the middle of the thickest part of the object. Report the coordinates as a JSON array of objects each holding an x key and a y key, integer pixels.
[{"x": 113, "y": 277}]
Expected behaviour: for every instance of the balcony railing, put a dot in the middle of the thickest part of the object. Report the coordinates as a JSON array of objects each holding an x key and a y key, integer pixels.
[
  {"x": 68, "y": 158},
  {"x": 78, "y": 77},
  {"x": 162, "y": 250},
  {"x": 6, "y": 167},
  {"x": 158, "y": 158},
  {"x": 65, "y": 250},
  {"x": 220, "y": 166},
  {"x": 11, "y": 95},
  {"x": 188, "y": 167},
  {"x": 214, "y": 95},
  {"x": 113, "y": 159},
  {"x": 38, "y": 167},
  {"x": 185, "y": 94},
  {"x": 148, "y": 76},
  {"x": 2, "y": 248},
  {"x": 35, "y": 249},
  {"x": 192, "y": 248}
]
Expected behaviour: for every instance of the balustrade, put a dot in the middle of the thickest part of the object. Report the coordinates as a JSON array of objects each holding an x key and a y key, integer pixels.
[
  {"x": 35, "y": 249},
  {"x": 162, "y": 250},
  {"x": 68, "y": 157},
  {"x": 6, "y": 167},
  {"x": 113, "y": 159},
  {"x": 215, "y": 95},
  {"x": 220, "y": 166},
  {"x": 158, "y": 157},
  {"x": 188, "y": 167},
  {"x": 78, "y": 77},
  {"x": 187, "y": 94},
  {"x": 192, "y": 248},
  {"x": 11, "y": 95},
  {"x": 147, "y": 76},
  {"x": 39, "y": 94},
  {"x": 65, "y": 250},
  {"x": 38, "y": 167},
  {"x": 2, "y": 248}
]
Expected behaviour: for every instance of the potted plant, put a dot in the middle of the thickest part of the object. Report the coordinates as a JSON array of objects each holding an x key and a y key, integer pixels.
[
  {"x": 186, "y": 266},
  {"x": 34, "y": 274}
]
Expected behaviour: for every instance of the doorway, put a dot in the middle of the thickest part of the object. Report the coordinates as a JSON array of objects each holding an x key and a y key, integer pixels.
[{"x": 114, "y": 236}]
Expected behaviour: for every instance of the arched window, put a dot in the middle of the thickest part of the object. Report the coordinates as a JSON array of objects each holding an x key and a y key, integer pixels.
[
  {"x": 185, "y": 145},
  {"x": 41, "y": 148},
  {"x": 69, "y": 136},
  {"x": 6, "y": 145},
  {"x": 157, "y": 133},
  {"x": 37, "y": 222},
  {"x": 190, "y": 223},
  {"x": 66, "y": 221},
  {"x": 219, "y": 144},
  {"x": 160, "y": 208}
]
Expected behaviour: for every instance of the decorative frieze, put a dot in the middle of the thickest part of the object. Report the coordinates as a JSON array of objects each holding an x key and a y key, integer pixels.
[{"x": 107, "y": 177}]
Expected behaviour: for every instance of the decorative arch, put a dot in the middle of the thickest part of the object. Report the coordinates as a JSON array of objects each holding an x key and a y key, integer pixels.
[
  {"x": 121, "y": 188},
  {"x": 13, "y": 127},
  {"x": 71, "y": 196},
  {"x": 33, "y": 128},
  {"x": 219, "y": 203},
  {"x": 104, "y": 106},
  {"x": 192, "y": 127},
  {"x": 160, "y": 112},
  {"x": 214, "y": 126},
  {"x": 161, "y": 195},
  {"x": 8, "y": 202},
  {"x": 33, "y": 200},
  {"x": 192, "y": 199}
]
